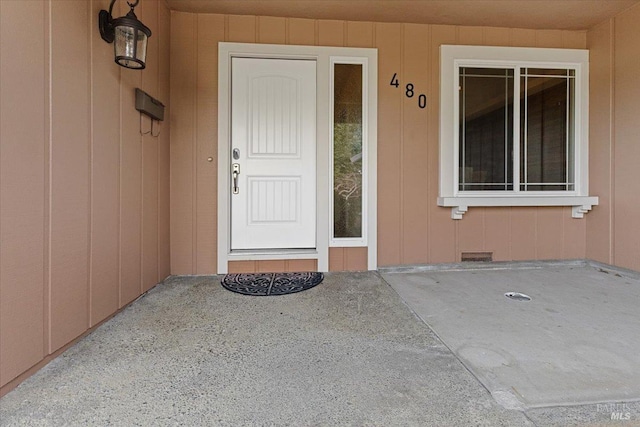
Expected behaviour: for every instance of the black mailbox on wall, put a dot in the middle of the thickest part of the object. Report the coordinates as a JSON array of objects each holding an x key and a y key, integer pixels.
[{"x": 148, "y": 105}]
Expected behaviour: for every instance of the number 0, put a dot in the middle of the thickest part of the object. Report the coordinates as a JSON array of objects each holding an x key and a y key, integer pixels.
[{"x": 422, "y": 100}]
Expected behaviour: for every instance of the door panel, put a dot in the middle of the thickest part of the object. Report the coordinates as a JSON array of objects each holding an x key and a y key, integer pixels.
[{"x": 273, "y": 132}]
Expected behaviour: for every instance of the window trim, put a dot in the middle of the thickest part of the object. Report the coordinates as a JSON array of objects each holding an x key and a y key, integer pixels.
[{"x": 454, "y": 57}]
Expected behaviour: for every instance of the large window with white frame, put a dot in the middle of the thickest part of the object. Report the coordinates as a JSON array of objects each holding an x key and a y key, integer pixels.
[{"x": 514, "y": 128}]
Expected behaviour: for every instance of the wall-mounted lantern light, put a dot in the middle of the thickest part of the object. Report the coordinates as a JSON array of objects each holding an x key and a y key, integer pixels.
[{"x": 129, "y": 34}]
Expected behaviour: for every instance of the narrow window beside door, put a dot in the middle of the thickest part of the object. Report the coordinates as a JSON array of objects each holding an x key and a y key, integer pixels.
[{"x": 348, "y": 152}]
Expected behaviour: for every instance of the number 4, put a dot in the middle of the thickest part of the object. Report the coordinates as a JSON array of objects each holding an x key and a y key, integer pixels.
[{"x": 394, "y": 80}]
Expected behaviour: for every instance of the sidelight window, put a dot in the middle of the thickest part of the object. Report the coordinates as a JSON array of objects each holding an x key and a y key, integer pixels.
[{"x": 348, "y": 130}]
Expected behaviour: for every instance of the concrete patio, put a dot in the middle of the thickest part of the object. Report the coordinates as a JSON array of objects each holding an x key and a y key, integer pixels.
[{"x": 347, "y": 352}]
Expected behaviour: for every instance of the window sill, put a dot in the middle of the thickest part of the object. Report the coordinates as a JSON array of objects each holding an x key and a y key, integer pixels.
[{"x": 460, "y": 204}]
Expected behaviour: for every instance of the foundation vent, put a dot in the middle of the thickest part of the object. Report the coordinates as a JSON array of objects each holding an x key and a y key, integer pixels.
[{"x": 477, "y": 256}]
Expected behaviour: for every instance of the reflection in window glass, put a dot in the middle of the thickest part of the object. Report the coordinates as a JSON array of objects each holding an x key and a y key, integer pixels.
[
  {"x": 546, "y": 137},
  {"x": 486, "y": 129},
  {"x": 547, "y": 148},
  {"x": 347, "y": 151}
]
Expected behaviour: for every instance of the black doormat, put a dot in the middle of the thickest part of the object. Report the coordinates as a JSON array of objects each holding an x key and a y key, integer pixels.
[{"x": 263, "y": 284}]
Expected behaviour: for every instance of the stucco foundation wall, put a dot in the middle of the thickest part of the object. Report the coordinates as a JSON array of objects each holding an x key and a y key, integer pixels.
[
  {"x": 613, "y": 228},
  {"x": 84, "y": 198},
  {"x": 411, "y": 227}
]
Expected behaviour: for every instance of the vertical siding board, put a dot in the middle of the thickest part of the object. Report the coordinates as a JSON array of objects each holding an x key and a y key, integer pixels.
[
  {"x": 301, "y": 31},
  {"x": 574, "y": 242},
  {"x": 294, "y": 265},
  {"x": 331, "y": 33},
  {"x": 210, "y": 32},
  {"x": 626, "y": 147},
  {"x": 130, "y": 190},
  {"x": 599, "y": 239},
  {"x": 497, "y": 232},
  {"x": 471, "y": 232},
  {"x": 271, "y": 266},
  {"x": 193, "y": 74},
  {"x": 549, "y": 38},
  {"x": 241, "y": 29},
  {"x": 46, "y": 339},
  {"x": 150, "y": 158},
  {"x": 164, "y": 249},
  {"x": 355, "y": 259},
  {"x": 415, "y": 153},
  {"x": 181, "y": 142},
  {"x": 574, "y": 39},
  {"x": 359, "y": 34},
  {"x": 441, "y": 232},
  {"x": 521, "y": 37},
  {"x": 130, "y": 252},
  {"x": 523, "y": 233},
  {"x": 22, "y": 186},
  {"x": 271, "y": 30},
  {"x": 388, "y": 41},
  {"x": 105, "y": 177},
  {"x": 242, "y": 266},
  {"x": 336, "y": 259},
  {"x": 69, "y": 172},
  {"x": 549, "y": 233},
  {"x": 496, "y": 36},
  {"x": 470, "y": 35}
]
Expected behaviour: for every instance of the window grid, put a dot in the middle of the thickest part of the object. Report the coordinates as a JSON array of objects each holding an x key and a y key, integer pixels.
[
  {"x": 525, "y": 136},
  {"x": 520, "y": 156},
  {"x": 540, "y": 61},
  {"x": 506, "y": 128},
  {"x": 569, "y": 75},
  {"x": 568, "y": 118},
  {"x": 464, "y": 74},
  {"x": 464, "y": 127}
]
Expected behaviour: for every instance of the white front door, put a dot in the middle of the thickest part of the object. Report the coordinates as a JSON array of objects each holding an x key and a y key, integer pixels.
[{"x": 273, "y": 153}]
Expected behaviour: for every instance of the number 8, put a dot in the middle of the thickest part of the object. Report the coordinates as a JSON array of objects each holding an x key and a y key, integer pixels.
[{"x": 409, "y": 92}]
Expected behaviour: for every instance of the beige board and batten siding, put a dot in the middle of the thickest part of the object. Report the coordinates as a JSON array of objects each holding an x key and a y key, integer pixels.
[
  {"x": 67, "y": 221},
  {"x": 23, "y": 183},
  {"x": 613, "y": 230},
  {"x": 412, "y": 229},
  {"x": 84, "y": 215}
]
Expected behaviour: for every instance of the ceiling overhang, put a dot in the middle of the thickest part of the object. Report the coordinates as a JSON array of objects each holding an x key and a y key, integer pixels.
[{"x": 537, "y": 14}]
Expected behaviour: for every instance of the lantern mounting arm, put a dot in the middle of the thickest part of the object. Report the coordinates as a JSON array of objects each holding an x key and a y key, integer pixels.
[
  {"x": 105, "y": 21},
  {"x": 105, "y": 24}
]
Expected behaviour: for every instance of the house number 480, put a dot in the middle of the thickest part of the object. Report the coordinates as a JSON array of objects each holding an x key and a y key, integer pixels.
[{"x": 409, "y": 91}]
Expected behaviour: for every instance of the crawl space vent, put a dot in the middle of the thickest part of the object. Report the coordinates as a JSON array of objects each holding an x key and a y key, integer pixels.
[{"x": 477, "y": 256}]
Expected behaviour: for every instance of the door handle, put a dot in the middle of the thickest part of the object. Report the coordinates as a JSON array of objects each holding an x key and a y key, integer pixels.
[{"x": 235, "y": 172}]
